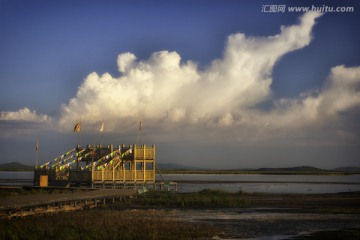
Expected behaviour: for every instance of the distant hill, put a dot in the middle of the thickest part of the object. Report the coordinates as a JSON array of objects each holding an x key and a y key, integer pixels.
[
  {"x": 15, "y": 166},
  {"x": 174, "y": 166},
  {"x": 292, "y": 169},
  {"x": 347, "y": 169}
]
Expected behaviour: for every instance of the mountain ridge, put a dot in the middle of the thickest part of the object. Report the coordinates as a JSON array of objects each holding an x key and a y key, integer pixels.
[
  {"x": 165, "y": 166},
  {"x": 16, "y": 166}
]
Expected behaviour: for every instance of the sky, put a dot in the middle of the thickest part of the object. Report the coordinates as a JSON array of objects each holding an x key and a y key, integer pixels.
[{"x": 216, "y": 84}]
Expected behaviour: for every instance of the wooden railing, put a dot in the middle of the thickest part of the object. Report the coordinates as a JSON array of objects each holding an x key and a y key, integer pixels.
[
  {"x": 123, "y": 176},
  {"x": 144, "y": 152}
]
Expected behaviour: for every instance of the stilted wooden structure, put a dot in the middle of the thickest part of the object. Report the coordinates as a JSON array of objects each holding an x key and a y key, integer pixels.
[{"x": 97, "y": 166}]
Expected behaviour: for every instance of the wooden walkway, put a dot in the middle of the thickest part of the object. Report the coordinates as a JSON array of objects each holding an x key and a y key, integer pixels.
[{"x": 24, "y": 205}]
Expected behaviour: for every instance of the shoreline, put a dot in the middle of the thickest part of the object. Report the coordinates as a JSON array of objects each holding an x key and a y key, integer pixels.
[
  {"x": 235, "y": 172},
  {"x": 261, "y": 214},
  {"x": 244, "y": 181},
  {"x": 20, "y": 180},
  {"x": 273, "y": 216}
]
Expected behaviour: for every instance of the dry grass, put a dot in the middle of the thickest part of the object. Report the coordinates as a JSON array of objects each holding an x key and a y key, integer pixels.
[
  {"x": 203, "y": 199},
  {"x": 102, "y": 224},
  {"x": 8, "y": 192}
]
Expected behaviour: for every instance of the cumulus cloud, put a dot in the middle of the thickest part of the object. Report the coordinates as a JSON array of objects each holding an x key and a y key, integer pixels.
[
  {"x": 24, "y": 122},
  {"x": 222, "y": 99},
  {"x": 340, "y": 93},
  {"x": 162, "y": 89},
  {"x": 24, "y": 115}
]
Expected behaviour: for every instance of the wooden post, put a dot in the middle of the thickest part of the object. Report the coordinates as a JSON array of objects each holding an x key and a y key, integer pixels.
[
  {"x": 76, "y": 153},
  {"x": 144, "y": 163},
  {"x": 154, "y": 162},
  {"x": 134, "y": 163},
  {"x": 113, "y": 173},
  {"x": 102, "y": 175},
  {"x": 134, "y": 170},
  {"x": 124, "y": 172},
  {"x": 92, "y": 175}
]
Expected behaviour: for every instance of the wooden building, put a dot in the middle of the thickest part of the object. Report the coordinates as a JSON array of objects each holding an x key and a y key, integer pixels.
[{"x": 97, "y": 166}]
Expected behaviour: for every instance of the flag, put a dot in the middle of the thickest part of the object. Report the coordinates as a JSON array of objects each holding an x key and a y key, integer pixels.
[
  {"x": 127, "y": 152},
  {"x": 140, "y": 126},
  {"x": 37, "y": 145},
  {"x": 102, "y": 127},
  {"x": 77, "y": 127}
]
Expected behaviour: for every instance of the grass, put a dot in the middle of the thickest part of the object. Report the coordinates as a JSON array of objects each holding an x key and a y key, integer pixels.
[
  {"x": 203, "y": 199},
  {"x": 132, "y": 218},
  {"x": 116, "y": 221},
  {"x": 102, "y": 224},
  {"x": 7, "y": 192}
]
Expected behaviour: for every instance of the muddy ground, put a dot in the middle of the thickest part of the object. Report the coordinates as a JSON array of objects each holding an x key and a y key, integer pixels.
[{"x": 278, "y": 216}]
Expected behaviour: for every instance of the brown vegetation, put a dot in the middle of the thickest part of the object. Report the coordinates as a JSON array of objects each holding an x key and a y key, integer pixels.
[{"x": 102, "y": 224}]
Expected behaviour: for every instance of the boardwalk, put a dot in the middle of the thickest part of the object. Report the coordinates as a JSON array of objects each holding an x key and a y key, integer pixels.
[{"x": 25, "y": 205}]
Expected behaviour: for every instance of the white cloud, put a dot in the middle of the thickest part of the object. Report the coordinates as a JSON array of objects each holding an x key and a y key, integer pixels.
[
  {"x": 340, "y": 93},
  {"x": 163, "y": 90},
  {"x": 24, "y": 115},
  {"x": 125, "y": 61},
  {"x": 168, "y": 94},
  {"x": 24, "y": 123}
]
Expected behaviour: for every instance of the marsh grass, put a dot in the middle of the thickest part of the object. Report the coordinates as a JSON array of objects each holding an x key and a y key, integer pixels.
[
  {"x": 7, "y": 192},
  {"x": 203, "y": 199},
  {"x": 110, "y": 223},
  {"x": 102, "y": 224}
]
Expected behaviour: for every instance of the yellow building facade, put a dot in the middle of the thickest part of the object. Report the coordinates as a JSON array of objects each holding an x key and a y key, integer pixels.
[{"x": 101, "y": 166}]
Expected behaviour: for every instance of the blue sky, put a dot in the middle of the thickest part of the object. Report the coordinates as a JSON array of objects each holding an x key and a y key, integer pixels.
[{"x": 216, "y": 83}]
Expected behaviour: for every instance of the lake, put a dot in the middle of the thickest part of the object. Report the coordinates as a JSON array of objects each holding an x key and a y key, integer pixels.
[
  {"x": 266, "y": 183},
  {"x": 237, "y": 182}
]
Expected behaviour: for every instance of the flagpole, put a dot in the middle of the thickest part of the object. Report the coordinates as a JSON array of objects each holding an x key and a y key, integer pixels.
[
  {"x": 102, "y": 138},
  {"x": 79, "y": 140},
  {"x": 102, "y": 132},
  {"x": 37, "y": 153},
  {"x": 78, "y": 149},
  {"x": 140, "y": 126},
  {"x": 77, "y": 130}
]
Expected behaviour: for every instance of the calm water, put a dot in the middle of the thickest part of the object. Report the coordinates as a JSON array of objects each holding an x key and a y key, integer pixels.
[
  {"x": 16, "y": 175},
  {"x": 268, "y": 183},
  {"x": 249, "y": 182},
  {"x": 263, "y": 177}
]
